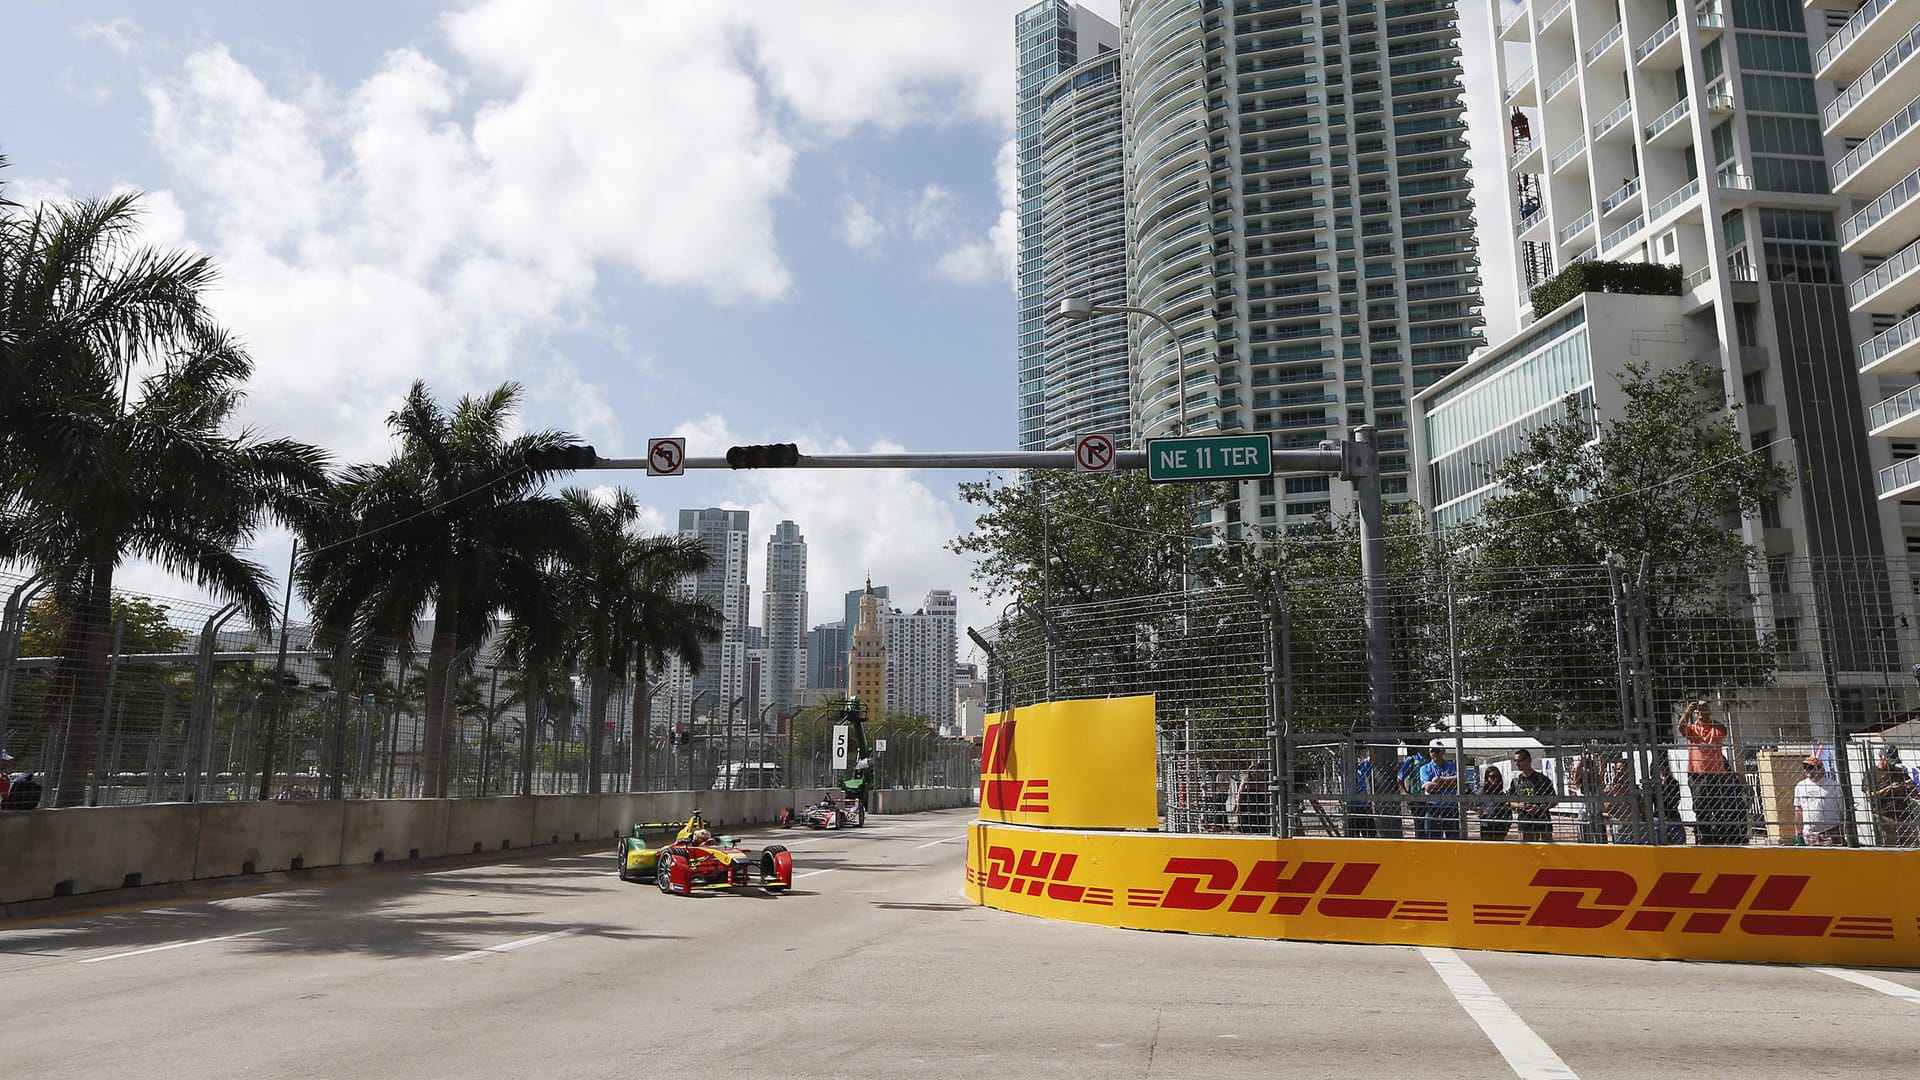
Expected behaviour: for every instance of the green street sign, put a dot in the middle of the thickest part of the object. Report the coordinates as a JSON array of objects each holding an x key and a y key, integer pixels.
[{"x": 1209, "y": 457}]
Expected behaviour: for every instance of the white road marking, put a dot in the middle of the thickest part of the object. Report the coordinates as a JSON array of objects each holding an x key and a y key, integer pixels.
[
  {"x": 1873, "y": 982},
  {"x": 512, "y": 945},
  {"x": 1527, "y": 1053},
  {"x": 179, "y": 945},
  {"x": 810, "y": 873},
  {"x": 936, "y": 843}
]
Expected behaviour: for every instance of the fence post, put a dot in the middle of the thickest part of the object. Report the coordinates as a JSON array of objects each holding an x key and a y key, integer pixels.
[
  {"x": 100, "y": 745},
  {"x": 1279, "y": 712},
  {"x": 200, "y": 715},
  {"x": 12, "y": 626}
]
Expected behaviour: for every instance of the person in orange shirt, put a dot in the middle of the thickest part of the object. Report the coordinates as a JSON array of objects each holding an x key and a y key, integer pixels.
[{"x": 1719, "y": 800}]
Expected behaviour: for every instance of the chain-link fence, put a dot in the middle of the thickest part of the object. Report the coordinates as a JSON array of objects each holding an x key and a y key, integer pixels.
[
  {"x": 182, "y": 702},
  {"x": 1265, "y": 722}
]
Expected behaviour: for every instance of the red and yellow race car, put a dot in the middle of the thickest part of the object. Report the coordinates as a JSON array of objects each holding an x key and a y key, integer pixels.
[{"x": 698, "y": 861}]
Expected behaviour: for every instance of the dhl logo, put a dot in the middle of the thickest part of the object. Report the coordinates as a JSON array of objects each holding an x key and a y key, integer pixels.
[
  {"x": 1008, "y": 795},
  {"x": 1334, "y": 889},
  {"x": 1037, "y": 873},
  {"x": 1762, "y": 903}
]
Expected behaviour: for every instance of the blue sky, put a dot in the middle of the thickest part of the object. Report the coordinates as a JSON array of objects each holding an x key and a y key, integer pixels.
[{"x": 739, "y": 222}]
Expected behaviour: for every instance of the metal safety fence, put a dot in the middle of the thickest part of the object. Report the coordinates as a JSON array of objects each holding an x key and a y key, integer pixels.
[
  {"x": 1774, "y": 704},
  {"x": 161, "y": 700}
]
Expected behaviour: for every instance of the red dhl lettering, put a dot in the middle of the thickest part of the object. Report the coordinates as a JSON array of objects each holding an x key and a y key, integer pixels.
[
  {"x": 1206, "y": 884},
  {"x": 1033, "y": 873},
  {"x": 1015, "y": 796},
  {"x": 996, "y": 748},
  {"x": 1592, "y": 899}
]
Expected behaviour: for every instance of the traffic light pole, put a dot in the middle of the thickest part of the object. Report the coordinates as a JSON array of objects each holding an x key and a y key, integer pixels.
[{"x": 1355, "y": 459}]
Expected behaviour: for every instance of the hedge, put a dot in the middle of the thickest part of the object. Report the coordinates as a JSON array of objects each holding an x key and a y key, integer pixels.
[{"x": 1636, "y": 278}]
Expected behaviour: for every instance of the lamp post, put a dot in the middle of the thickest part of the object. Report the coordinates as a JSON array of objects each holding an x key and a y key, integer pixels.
[
  {"x": 727, "y": 764},
  {"x": 693, "y": 710},
  {"x": 1074, "y": 309},
  {"x": 643, "y": 739}
]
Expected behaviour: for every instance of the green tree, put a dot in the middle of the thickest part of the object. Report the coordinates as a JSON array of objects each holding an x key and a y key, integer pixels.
[
  {"x": 1656, "y": 493},
  {"x": 115, "y": 433},
  {"x": 455, "y": 525}
]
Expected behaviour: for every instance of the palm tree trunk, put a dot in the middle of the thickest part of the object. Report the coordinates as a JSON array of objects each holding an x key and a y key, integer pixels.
[
  {"x": 535, "y": 681},
  {"x": 89, "y": 684},
  {"x": 642, "y": 727},
  {"x": 439, "y": 660},
  {"x": 600, "y": 690}
]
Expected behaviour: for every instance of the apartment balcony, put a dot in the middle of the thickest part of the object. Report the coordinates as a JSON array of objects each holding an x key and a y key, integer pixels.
[
  {"x": 1531, "y": 158},
  {"x": 1894, "y": 351},
  {"x": 1532, "y": 224},
  {"x": 1523, "y": 90},
  {"x": 1674, "y": 202},
  {"x": 1514, "y": 27},
  {"x": 1561, "y": 81},
  {"x": 1885, "y": 224},
  {"x": 1880, "y": 92},
  {"x": 1572, "y": 232},
  {"x": 1571, "y": 154},
  {"x": 1876, "y": 164},
  {"x": 1898, "y": 417},
  {"x": 1554, "y": 11},
  {"x": 1612, "y": 120},
  {"x": 1621, "y": 198},
  {"x": 1621, "y": 235},
  {"x": 1854, "y": 47},
  {"x": 1900, "y": 478},
  {"x": 1660, "y": 49},
  {"x": 1667, "y": 129},
  {"x": 1608, "y": 40},
  {"x": 1893, "y": 286}
]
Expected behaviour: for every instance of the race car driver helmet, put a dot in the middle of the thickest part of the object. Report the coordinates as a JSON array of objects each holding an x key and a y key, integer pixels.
[{"x": 701, "y": 836}]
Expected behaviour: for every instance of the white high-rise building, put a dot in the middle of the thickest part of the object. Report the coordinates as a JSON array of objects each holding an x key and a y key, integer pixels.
[
  {"x": 784, "y": 615},
  {"x": 921, "y": 650},
  {"x": 1298, "y": 207},
  {"x": 723, "y": 671},
  {"x": 1691, "y": 136}
]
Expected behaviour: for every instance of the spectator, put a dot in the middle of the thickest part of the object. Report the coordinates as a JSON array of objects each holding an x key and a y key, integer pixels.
[
  {"x": 1626, "y": 805},
  {"x": 1816, "y": 805},
  {"x": 1534, "y": 812},
  {"x": 1719, "y": 799},
  {"x": 1440, "y": 776},
  {"x": 1666, "y": 790},
  {"x": 1410, "y": 784},
  {"x": 24, "y": 795},
  {"x": 1496, "y": 817},
  {"x": 6, "y": 778},
  {"x": 1587, "y": 782},
  {"x": 1360, "y": 820},
  {"x": 1256, "y": 800},
  {"x": 1894, "y": 809}
]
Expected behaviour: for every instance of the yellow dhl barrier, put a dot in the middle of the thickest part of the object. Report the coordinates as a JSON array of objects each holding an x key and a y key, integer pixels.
[
  {"x": 1071, "y": 764},
  {"x": 1766, "y": 904}
]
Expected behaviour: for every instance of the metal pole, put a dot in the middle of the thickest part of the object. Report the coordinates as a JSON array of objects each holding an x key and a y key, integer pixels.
[
  {"x": 1362, "y": 467},
  {"x": 486, "y": 732},
  {"x": 12, "y": 625},
  {"x": 200, "y": 718},
  {"x": 100, "y": 743},
  {"x": 343, "y": 690},
  {"x": 279, "y": 682}
]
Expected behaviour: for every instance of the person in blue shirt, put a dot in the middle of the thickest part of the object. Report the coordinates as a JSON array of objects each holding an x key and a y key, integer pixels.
[
  {"x": 1440, "y": 776},
  {"x": 1360, "y": 821},
  {"x": 1410, "y": 783}
]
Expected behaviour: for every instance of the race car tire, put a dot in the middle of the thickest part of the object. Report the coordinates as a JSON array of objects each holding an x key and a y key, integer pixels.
[
  {"x": 663, "y": 873},
  {"x": 621, "y": 855},
  {"x": 785, "y": 817},
  {"x": 770, "y": 860},
  {"x": 860, "y": 815}
]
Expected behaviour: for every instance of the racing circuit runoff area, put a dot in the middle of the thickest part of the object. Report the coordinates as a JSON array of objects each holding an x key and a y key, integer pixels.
[{"x": 875, "y": 965}]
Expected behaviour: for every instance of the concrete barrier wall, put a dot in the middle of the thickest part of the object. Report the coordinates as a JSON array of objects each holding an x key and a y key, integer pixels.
[
  {"x": 393, "y": 829},
  {"x": 912, "y": 800},
  {"x": 57, "y": 852},
  {"x": 263, "y": 837}
]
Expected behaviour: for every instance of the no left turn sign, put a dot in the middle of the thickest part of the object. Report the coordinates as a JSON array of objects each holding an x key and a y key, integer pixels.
[
  {"x": 666, "y": 457},
  {"x": 1093, "y": 453}
]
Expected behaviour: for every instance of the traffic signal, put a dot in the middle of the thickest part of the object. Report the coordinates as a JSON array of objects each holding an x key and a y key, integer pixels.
[
  {"x": 783, "y": 455},
  {"x": 561, "y": 458}
]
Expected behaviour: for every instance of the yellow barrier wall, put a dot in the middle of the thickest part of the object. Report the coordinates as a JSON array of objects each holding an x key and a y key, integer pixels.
[
  {"x": 1071, "y": 764},
  {"x": 1772, "y": 904}
]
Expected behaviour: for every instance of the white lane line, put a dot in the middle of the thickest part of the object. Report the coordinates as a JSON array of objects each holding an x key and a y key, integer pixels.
[
  {"x": 1873, "y": 982},
  {"x": 1527, "y": 1053},
  {"x": 512, "y": 945},
  {"x": 810, "y": 873},
  {"x": 937, "y": 843},
  {"x": 179, "y": 945}
]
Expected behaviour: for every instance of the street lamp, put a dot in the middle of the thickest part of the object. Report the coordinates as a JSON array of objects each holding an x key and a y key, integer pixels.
[{"x": 1074, "y": 309}]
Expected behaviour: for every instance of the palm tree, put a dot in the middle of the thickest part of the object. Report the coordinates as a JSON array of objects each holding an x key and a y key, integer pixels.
[
  {"x": 667, "y": 626},
  {"x": 96, "y": 467},
  {"x": 454, "y": 524},
  {"x": 612, "y": 594}
]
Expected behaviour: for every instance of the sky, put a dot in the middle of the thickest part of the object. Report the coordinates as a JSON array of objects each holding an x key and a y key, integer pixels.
[{"x": 734, "y": 222}]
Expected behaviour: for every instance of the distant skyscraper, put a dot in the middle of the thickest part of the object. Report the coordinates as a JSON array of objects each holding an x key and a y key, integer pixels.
[
  {"x": 1072, "y": 243},
  {"x": 785, "y": 615},
  {"x": 921, "y": 648},
  {"x": 867, "y": 660},
  {"x": 827, "y": 657},
  {"x": 724, "y": 585},
  {"x": 1299, "y": 209}
]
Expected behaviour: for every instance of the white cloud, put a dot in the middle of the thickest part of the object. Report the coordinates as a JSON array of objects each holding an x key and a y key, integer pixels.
[
  {"x": 122, "y": 35},
  {"x": 859, "y": 228}
]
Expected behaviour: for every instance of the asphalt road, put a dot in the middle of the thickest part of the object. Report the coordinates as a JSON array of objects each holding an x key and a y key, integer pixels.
[{"x": 874, "y": 967}]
